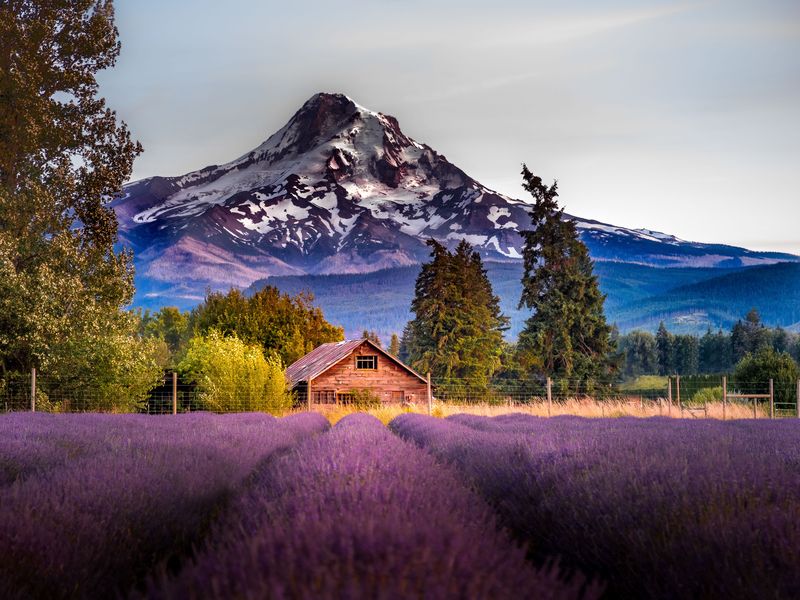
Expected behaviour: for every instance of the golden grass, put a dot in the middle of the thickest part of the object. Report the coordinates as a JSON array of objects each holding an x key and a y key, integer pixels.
[{"x": 581, "y": 407}]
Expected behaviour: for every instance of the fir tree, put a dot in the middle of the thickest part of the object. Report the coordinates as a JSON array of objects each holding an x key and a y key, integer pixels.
[
  {"x": 715, "y": 352},
  {"x": 665, "y": 350},
  {"x": 567, "y": 336},
  {"x": 394, "y": 345},
  {"x": 373, "y": 337},
  {"x": 749, "y": 336},
  {"x": 457, "y": 330},
  {"x": 641, "y": 356},
  {"x": 686, "y": 354}
]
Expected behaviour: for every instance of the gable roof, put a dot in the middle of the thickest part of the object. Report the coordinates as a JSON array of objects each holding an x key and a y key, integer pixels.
[{"x": 323, "y": 357}]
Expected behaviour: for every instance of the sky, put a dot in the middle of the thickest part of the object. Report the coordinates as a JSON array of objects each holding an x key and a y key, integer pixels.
[{"x": 682, "y": 117}]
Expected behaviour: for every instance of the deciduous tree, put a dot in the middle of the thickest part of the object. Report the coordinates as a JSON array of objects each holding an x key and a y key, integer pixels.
[{"x": 63, "y": 156}]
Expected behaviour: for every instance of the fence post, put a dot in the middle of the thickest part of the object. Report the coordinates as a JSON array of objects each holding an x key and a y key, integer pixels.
[
  {"x": 669, "y": 396},
  {"x": 549, "y": 395},
  {"x": 33, "y": 389},
  {"x": 678, "y": 391},
  {"x": 724, "y": 396},
  {"x": 771, "y": 398},
  {"x": 430, "y": 396},
  {"x": 755, "y": 414},
  {"x": 308, "y": 394},
  {"x": 174, "y": 393}
]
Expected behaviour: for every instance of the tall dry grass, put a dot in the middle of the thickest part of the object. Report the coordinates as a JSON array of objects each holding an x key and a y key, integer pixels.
[{"x": 582, "y": 407}]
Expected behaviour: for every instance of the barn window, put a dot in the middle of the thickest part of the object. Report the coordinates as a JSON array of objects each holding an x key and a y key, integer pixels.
[
  {"x": 324, "y": 397},
  {"x": 367, "y": 362},
  {"x": 345, "y": 398},
  {"x": 398, "y": 396}
]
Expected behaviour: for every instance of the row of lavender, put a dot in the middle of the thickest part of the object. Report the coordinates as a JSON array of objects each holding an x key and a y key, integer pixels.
[
  {"x": 656, "y": 508},
  {"x": 90, "y": 504},
  {"x": 359, "y": 513},
  {"x": 246, "y": 506}
]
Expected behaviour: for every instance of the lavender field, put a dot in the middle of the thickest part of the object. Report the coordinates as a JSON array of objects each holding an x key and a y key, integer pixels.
[{"x": 250, "y": 506}]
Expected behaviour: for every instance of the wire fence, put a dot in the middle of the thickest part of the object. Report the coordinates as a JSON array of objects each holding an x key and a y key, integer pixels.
[{"x": 692, "y": 396}]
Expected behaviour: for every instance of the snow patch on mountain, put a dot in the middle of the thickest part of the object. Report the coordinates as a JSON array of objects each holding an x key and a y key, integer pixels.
[{"x": 341, "y": 188}]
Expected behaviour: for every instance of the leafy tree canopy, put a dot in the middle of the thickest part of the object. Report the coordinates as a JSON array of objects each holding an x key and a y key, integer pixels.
[
  {"x": 289, "y": 326},
  {"x": 63, "y": 156},
  {"x": 232, "y": 375}
]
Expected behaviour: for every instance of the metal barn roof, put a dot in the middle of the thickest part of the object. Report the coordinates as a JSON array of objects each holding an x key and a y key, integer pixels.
[{"x": 325, "y": 356}]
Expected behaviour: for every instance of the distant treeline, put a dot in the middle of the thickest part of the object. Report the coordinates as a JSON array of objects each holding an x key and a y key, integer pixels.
[{"x": 718, "y": 351}]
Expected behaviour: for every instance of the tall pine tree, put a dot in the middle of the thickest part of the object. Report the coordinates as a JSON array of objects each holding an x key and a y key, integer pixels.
[
  {"x": 457, "y": 330},
  {"x": 567, "y": 336}
]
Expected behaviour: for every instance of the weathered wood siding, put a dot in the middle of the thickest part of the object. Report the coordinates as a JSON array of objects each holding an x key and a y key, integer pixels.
[{"x": 389, "y": 377}]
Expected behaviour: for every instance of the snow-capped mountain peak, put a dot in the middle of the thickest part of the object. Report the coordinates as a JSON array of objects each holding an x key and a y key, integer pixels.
[{"x": 338, "y": 189}]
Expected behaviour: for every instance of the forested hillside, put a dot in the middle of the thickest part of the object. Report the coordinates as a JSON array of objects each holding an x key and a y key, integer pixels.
[
  {"x": 638, "y": 296},
  {"x": 720, "y": 301}
]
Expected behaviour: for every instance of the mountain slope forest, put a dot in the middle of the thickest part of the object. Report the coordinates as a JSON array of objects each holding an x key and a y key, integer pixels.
[{"x": 688, "y": 299}]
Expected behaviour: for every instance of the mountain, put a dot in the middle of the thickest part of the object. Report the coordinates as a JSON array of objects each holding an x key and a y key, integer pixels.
[{"x": 340, "y": 189}]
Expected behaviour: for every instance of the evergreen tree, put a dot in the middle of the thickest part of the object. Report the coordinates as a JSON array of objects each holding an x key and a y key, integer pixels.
[
  {"x": 457, "y": 330},
  {"x": 406, "y": 342},
  {"x": 664, "y": 348},
  {"x": 63, "y": 156},
  {"x": 372, "y": 336},
  {"x": 715, "y": 353},
  {"x": 749, "y": 336},
  {"x": 686, "y": 354},
  {"x": 394, "y": 345},
  {"x": 640, "y": 353},
  {"x": 567, "y": 336}
]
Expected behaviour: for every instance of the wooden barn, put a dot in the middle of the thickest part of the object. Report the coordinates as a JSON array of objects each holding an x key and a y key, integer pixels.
[{"x": 331, "y": 373}]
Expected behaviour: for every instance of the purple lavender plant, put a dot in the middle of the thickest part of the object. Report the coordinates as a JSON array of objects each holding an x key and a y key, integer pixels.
[
  {"x": 120, "y": 493},
  {"x": 658, "y": 508},
  {"x": 359, "y": 513}
]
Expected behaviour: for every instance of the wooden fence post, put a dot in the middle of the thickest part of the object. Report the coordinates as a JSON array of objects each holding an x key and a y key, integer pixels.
[
  {"x": 755, "y": 414},
  {"x": 678, "y": 391},
  {"x": 430, "y": 395},
  {"x": 33, "y": 389},
  {"x": 174, "y": 393},
  {"x": 308, "y": 395},
  {"x": 771, "y": 399},
  {"x": 724, "y": 396},
  {"x": 549, "y": 395},
  {"x": 669, "y": 396}
]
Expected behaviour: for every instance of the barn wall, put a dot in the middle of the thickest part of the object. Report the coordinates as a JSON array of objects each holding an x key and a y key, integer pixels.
[{"x": 389, "y": 377}]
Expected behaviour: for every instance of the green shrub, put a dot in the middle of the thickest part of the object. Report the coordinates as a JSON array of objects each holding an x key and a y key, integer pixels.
[
  {"x": 365, "y": 399},
  {"x": 645, "y": 383},
  {"x": 707, "y": 395},
  {"x": 234, "y": 376},
  {"x": 753, "y": 372}
]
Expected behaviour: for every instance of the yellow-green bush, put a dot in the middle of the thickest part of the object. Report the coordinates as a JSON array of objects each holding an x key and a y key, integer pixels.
[{"x": 234, "y": 376}]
